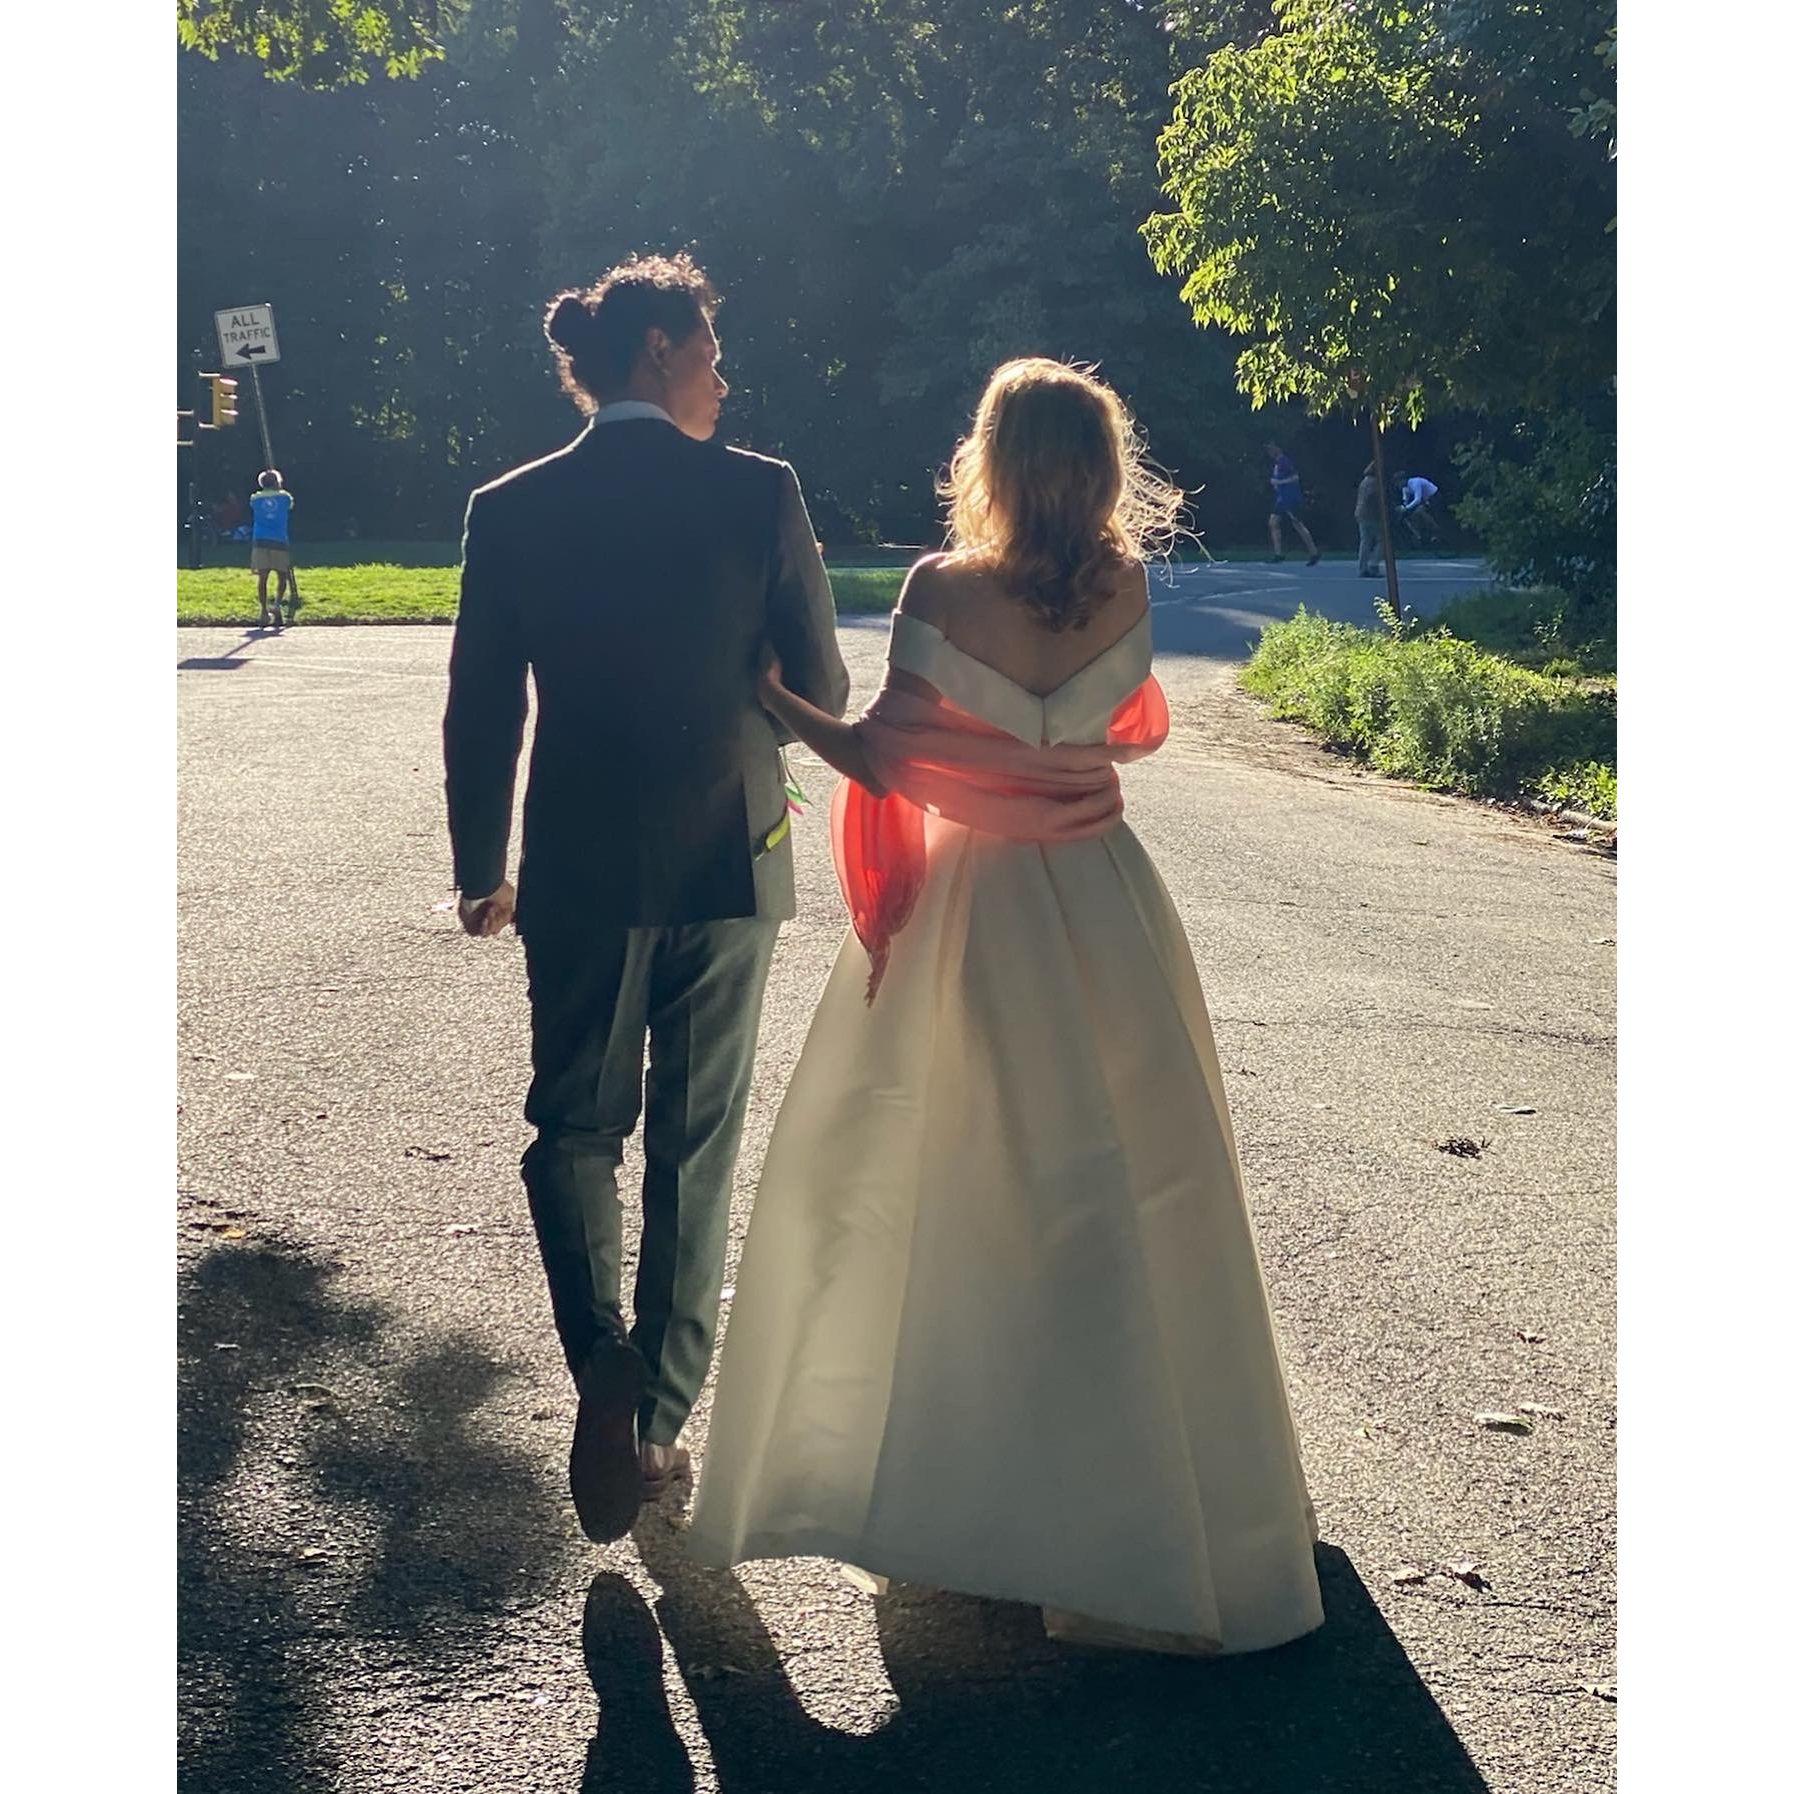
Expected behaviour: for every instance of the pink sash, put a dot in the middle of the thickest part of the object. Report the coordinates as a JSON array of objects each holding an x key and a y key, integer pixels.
[{"x": 934, "y": 758}]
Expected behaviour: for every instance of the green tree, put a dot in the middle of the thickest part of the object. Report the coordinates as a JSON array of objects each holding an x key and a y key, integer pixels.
[
  {"x": 320, "y": 43},
  {"x": 1397, "y": 205},
  {"x": 893, "y": 195},
  {"x": 1318, "y": 178}
]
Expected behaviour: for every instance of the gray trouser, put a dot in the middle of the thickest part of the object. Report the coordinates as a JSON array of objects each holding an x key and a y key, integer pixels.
[
  {"x": 1370, "y": 544},
  {"x": 691, "y": 995}
]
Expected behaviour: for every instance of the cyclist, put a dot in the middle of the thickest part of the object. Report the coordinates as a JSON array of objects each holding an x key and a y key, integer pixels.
[{"x": 1418, "y": 493}]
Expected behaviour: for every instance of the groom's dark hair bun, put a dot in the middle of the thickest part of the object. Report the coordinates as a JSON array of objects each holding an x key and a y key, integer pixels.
[
  {"x": 597, "y": 333},
  {"x": 568, "y": 323}
]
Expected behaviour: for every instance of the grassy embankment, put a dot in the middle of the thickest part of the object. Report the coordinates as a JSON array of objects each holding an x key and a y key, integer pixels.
[{"x": 1502, "y": 694}]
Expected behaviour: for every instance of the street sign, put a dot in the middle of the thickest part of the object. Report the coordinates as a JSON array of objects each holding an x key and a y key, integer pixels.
[{"x": 246, "y": 336}]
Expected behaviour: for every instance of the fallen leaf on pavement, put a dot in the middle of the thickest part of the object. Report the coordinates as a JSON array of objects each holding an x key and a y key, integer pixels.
[
  {"x": 1496, "y": 1422},
  {"x": 461, "y": 1227},
  {"x": 1602, "y": 1691},
  {"x": 1466, "y": 1572},
  {"x": 442, "y": 908},
  {"x": 1541, "y": 1411},
  {"x": 423, "y": 1152},
  {"x": 1530, "y": 1338},
  {"x": 240, "y": 1077},
  {"x": 1461, "y": 1146},
  {"x": 1408, "y": 1575},
  {"x": 1516, "y": 1108}
]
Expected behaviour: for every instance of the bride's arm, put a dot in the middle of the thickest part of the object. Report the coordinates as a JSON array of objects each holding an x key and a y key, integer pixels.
[{"x": 831, "y": 739}]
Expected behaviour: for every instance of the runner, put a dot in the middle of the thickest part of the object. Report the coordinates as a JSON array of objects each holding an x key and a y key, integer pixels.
[{"x": 1286, "y": 501}]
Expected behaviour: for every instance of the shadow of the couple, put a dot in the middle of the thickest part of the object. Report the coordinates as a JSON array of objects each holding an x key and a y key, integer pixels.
[{"x": 985, "y": 1701}]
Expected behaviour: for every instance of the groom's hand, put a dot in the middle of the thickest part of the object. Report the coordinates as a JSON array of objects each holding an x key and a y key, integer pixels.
[
  {"x": 491, "y": 914},
  {"x": 772, "y": 672}
]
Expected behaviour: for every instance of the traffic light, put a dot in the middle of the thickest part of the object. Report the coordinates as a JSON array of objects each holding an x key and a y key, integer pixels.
[
  {"x": 183, "y": 424},
  {"x": 224, "y": 400}
]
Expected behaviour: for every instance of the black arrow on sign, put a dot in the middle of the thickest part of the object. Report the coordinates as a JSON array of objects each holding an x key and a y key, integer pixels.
[{"x": 253, "y": 349}]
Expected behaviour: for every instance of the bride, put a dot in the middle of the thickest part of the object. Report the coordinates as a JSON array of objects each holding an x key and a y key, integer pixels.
[{"x": 1000, "y": 1325}]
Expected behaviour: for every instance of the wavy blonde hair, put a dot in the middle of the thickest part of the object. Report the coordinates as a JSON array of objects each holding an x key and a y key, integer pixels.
[{"x": 1052, "y": 491}]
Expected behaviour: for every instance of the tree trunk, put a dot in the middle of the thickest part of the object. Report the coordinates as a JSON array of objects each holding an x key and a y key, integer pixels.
[{"x": 1395, "y": 584}]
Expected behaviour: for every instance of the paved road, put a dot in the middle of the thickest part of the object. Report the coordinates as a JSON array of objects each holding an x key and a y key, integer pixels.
[{"x": 381, "y": 1584}]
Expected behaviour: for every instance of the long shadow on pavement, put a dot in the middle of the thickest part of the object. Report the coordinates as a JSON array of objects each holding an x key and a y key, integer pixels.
[
  {"x": 986, "y": 1702},
  {"x": 224, "y": 663},
  {"x": 338, "y": 1494}
]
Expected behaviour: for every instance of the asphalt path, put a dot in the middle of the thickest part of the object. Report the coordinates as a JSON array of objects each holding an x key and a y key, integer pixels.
[{"x": 381, "y": 1583}]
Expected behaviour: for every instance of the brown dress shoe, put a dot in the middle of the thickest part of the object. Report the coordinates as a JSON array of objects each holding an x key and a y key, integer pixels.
[{"x": 603, "y": 1469}]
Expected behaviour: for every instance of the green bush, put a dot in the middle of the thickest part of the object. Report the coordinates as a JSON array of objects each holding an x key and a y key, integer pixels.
[
  {"x": 1544, "y": 628},
  {"x": 1542, "y": 498},
  {"x": 1590, "y": 787},
  {"x": 1439, "y": 711}
]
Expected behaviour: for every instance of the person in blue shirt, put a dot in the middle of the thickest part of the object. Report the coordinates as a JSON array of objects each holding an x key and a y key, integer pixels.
[
  {"x": 1418, "y": 493},
  {"x": 1286, "y": 501},
  {"x": 270, "y": 549}
]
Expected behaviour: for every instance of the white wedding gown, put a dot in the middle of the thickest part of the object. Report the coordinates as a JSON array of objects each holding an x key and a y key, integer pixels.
[{"x": 999, "y": 1324}]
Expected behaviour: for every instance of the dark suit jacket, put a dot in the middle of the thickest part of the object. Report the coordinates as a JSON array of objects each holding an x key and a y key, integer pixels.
[{"x": 636, "y": 574}]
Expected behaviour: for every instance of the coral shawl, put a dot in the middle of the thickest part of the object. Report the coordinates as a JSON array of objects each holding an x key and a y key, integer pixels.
[{"x": 935, "y": 759}]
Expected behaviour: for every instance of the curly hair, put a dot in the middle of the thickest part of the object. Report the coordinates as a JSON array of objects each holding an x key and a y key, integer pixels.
[
  {"x": 1052, "y": 490},
  {"x": 597, "y": 332}
]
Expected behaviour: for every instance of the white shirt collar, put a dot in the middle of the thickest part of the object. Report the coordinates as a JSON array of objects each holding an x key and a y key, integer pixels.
[{"x": 622, "y": 411}]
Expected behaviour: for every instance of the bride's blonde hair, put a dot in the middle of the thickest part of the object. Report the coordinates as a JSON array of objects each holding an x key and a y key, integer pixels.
[{"x": 1051, "y": 490}]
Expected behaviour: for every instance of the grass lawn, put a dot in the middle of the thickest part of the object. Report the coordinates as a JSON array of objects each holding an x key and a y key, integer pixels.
[
  {"x": 418, "y": 592},
  {"x": 417, "y": 582}
]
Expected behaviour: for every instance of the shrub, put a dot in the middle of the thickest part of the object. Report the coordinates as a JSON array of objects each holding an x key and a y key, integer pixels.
[
  {"x": 1542, "y": 627},
  {"x": 1439, "y": 711},
  {"x": 1543, "y": 501},
  {"x": 1590, "y": 787}
]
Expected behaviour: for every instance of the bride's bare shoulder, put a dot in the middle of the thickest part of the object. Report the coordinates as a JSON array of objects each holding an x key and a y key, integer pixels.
[
  {"x": 1133, "y": 589},
  {"x": 933, "y": 587}
]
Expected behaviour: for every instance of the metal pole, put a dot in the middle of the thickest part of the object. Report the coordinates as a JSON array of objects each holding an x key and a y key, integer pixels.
[
  {"x": 1376, "y": 450},
  {"x": 261, "y": 417},
  {"x": 261, "y": 413}
]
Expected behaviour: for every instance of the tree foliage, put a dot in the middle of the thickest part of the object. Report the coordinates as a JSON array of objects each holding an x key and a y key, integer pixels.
[
  {"x": 893, "y": 196},
  {"x": 1542, "y": 498},
  {"x": 320, "y": 43},
  {"x": 1389, "y": 201}
]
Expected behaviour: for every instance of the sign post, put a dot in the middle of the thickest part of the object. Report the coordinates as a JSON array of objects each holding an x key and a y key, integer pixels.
[{"x": 246, "y": 339}]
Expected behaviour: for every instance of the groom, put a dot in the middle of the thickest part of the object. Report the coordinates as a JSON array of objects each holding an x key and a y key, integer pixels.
[{"x": 636, "y": 573}]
